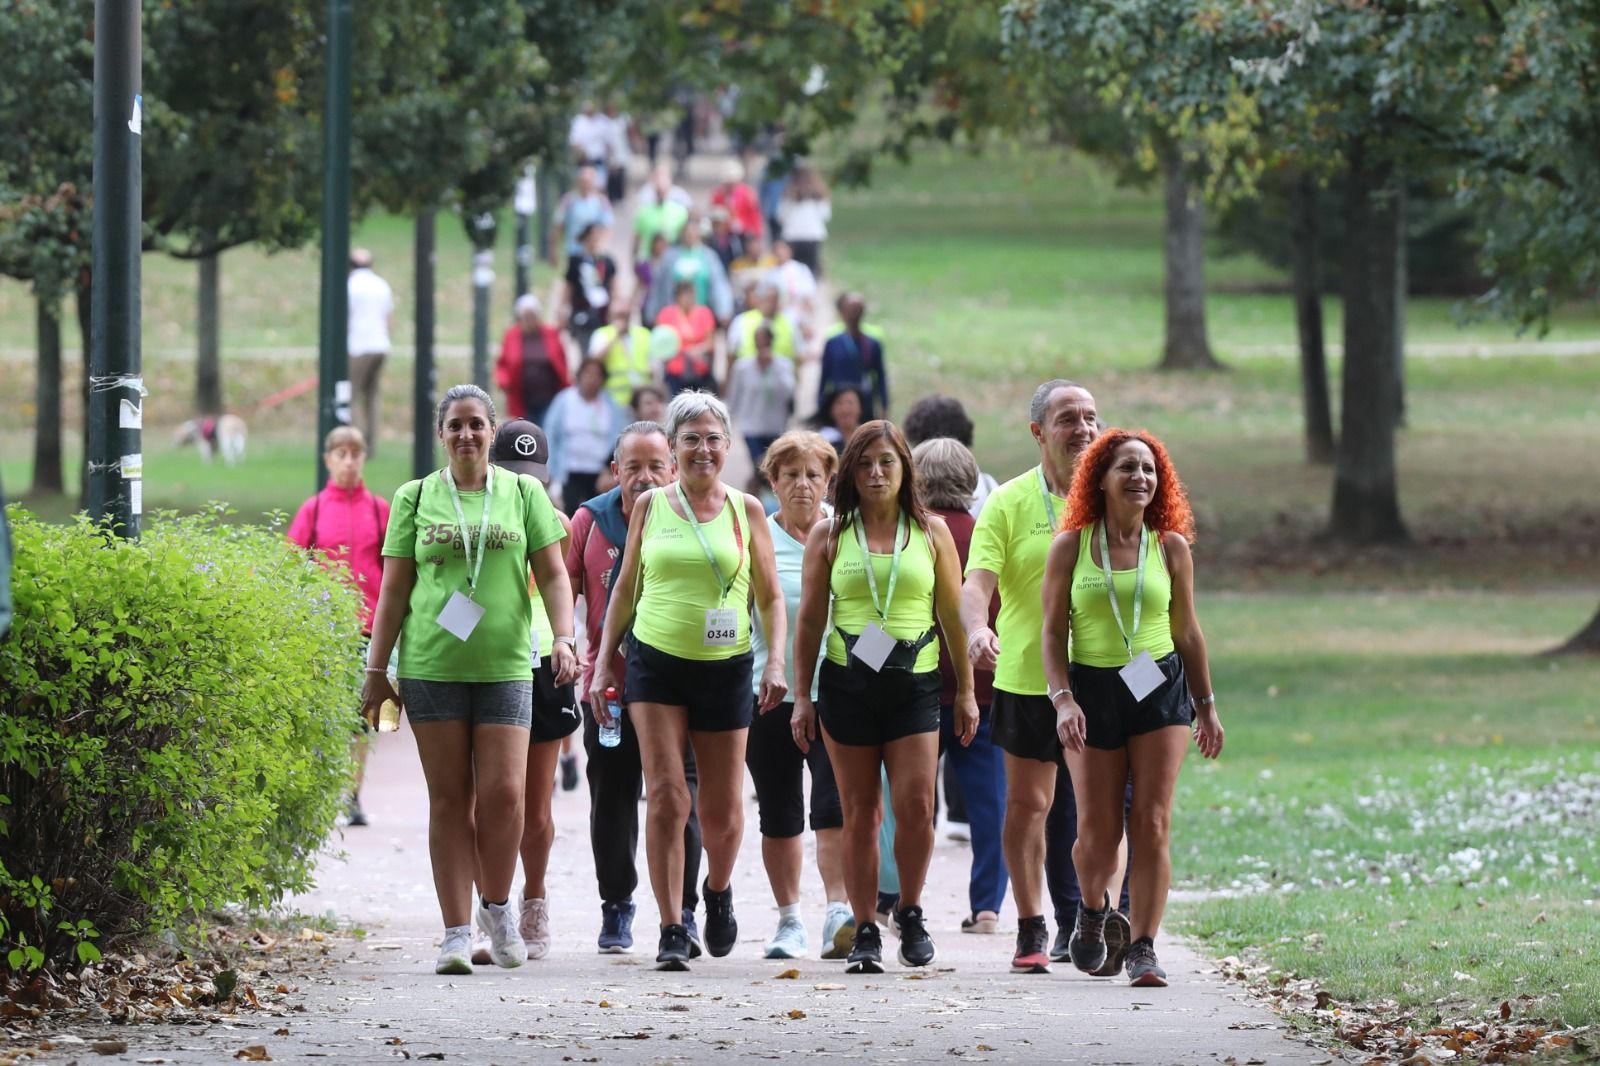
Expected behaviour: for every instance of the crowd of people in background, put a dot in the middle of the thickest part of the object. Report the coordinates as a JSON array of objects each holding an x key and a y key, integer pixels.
[{"x": 867, "y": 601}]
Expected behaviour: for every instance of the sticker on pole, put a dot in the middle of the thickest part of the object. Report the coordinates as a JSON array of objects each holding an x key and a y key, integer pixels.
[
  {"x": 341, "y": 392},
  {"x": 136, "y": 497},
  {"x": 133, "y": 466},
  {"x": 129, "y": 415},
  {"x": 136, "y": 121}
]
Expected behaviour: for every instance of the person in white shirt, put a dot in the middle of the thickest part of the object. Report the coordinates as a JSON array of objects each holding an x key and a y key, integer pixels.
[
  {"x": 803, "y": 216},
  {"x": 590, "y": 138},
  {"x": 619, "y": 150},
  {"x": 369, "y": 317}
]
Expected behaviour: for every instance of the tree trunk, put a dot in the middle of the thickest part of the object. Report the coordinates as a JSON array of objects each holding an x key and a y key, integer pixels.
[
  {"x": 48, "y": 479},
  {"x": 1366, "y": 503},
  {"x": 1305, "y": 256},
  {"x": 1402, "y": 289},
  {"x": 208, "y": 367},
  {"x": 1586, "y": 641},
  {"x": 85, "y": 305},
  {"x": 1186, "y": 345},
  {"x": 425, "y": 378}
]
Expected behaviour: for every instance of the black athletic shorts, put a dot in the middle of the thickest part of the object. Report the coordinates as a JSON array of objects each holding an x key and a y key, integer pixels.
[
  {"x": 716, "y": 692},
  {"x": 1109, "y": 708},
  {"x": 555, "y": 707},
  {"x": 1024, "y": 726},
  {"x": 866, "y": 709},
  {"x": 777, "y": 767}
]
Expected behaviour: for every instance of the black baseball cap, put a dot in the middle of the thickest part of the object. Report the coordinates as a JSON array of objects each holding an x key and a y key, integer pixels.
[{"x": 521, "y": 447}]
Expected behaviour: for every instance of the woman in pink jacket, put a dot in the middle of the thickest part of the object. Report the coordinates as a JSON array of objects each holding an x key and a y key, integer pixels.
[{"x": 347, "y": 524}]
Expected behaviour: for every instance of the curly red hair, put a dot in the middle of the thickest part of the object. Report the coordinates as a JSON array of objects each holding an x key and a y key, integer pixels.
[{"x": 1168, "y": 510}]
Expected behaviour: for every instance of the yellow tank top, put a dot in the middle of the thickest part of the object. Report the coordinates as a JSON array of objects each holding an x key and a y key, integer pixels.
[
  {"x": 911, "y": 610},
  {"x": 1096, "y": 640},
  {"x": 679, "y": 585}
]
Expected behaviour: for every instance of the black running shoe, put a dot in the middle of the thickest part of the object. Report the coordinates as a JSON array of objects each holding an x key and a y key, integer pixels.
[
  {"x": 1032, "y": 936},
  {"x": 353, "y": 813},
  {"x": 689, "y": 925},
  {"x": 1088, "y": 944},
  {"x": 1117, "y": 934},
  {"x": 1143, "y": 969},
  {"x": 1058, "y": 948},
  {"x": 722, "y": 929},
  {"x": 887, "y": 903},
  {"x": 867, "y": 954},
  {"x": 674, "y": 953},
  {"x": 916, "y": 946},
  {"x": 569, "y": 773}
]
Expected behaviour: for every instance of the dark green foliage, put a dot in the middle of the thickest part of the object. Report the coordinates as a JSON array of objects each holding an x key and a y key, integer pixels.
[{"x": 175, "y": 719}]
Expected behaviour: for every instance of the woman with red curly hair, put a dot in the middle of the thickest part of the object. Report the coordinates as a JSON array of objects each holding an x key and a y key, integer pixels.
[{"x": 1120, "y": 583}]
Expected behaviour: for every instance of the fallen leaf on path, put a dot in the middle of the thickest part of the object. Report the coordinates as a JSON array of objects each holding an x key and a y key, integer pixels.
[
  {"x": 253, "y": 1053},
  {"x": 788, "y": 975},
  {"x": 797, "y": 1014},
  {"x": 109, "y": 1047},
  {"x": 830, "y": 987}
]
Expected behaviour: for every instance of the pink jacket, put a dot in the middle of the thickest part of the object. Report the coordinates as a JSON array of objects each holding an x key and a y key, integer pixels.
[{"x": 348, "y": 524}]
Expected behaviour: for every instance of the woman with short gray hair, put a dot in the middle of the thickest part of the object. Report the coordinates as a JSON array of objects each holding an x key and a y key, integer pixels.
[
  {"x": 947, "y": 473},
  {"x": 685, "y": 590}
]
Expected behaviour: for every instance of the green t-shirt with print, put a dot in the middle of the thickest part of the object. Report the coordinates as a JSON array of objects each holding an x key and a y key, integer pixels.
[
  {"x": 423, "y": 527},
  {"x": 1012, "y": 540}
]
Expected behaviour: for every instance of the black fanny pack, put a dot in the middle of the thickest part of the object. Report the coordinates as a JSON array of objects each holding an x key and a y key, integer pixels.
[{"x": 903, "y": 657}]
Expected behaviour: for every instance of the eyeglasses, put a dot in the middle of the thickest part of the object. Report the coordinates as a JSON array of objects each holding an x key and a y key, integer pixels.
[{"x": 692, "y": 441}]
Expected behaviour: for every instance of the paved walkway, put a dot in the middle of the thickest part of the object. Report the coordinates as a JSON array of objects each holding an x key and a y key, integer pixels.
[{"x": 384, "y": 1003}]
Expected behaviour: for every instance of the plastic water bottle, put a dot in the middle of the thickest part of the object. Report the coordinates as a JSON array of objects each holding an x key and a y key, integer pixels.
[{"x": 611, "y": 735}]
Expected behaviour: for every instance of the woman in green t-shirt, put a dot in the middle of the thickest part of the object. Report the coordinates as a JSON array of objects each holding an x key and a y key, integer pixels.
[
  {"x": 696, "y": 552},
  {"x": 892, "y": 573},
  {"x": 458, "y": 552}
]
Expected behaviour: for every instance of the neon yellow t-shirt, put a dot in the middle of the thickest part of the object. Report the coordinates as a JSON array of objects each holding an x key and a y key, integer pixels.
[
  {"x": 1012, "y": 540},
  {"x": 678, "y": 585},
  {"x": 911, "y": 610},
  {"x": 423, "y": 527},
  {"x": 1096, "y": 640}
]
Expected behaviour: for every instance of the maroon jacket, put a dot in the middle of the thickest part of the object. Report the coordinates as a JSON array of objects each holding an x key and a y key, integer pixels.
[{"x": 961, "y": 525}]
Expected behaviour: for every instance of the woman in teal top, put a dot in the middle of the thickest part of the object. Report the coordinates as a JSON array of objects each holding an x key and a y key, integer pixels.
[
  {"x": 698, "y": 553},
  {"x": 1119, "y": 585},
  {"x": 783, "y": 744},
  {"x": 458, "y": 552},
  {"x": 890, "y": 569}
]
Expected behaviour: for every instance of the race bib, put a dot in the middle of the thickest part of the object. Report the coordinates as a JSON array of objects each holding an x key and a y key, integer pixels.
[
  {"x": 873, "y": 647},
  {"x": 460, "y": 616},
  {"x": 722, "y": 627},
  {"x": 1142, "y": 676}
]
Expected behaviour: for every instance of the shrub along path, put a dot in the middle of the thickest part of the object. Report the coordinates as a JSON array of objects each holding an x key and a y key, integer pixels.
[{"x": 383, "y": 1002}]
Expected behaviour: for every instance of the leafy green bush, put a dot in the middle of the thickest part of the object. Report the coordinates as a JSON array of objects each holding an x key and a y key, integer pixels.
[{"x": 175, "y": 724}]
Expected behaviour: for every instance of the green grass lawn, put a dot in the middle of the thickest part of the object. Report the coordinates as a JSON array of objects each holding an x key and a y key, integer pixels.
[{"x": 1408, "y": 806}]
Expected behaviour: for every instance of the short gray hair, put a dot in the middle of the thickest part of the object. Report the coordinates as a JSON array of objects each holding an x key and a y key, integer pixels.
[
  {"x": 645, "y": 428},
  {"x": 947, "y": 474},
  {"x": 1041, "y": 396},
  {"x": 691, "y": 404},
  {"x": 463, "y": 392}
]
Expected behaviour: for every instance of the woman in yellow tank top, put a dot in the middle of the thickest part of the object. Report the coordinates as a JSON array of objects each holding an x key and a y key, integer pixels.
[
  {"x": 1120, "y": 583},
  {"x": 890, "y": 570},
  {"x": 698, "y": 553}
]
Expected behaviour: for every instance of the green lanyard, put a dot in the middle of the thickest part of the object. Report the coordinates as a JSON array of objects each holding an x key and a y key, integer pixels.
[
  {"x": 722, "y": 583},
  {"x": 474, "y": 566},
  {"x": 894, "y": 565},
  {"x": 1138, "y": 584},
  {"x": 1044, "y": 491}
]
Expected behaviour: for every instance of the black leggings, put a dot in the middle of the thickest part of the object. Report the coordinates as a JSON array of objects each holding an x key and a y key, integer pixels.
[{"x": 777, "y": 764}]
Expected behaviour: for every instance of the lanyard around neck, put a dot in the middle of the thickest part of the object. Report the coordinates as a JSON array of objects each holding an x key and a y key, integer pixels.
[
  {"x": 894, "y": 564},
  {"x": 1138, "y": 584},
  {"x": 723, "y": 584},
  {"x": 1044, "y": 492},
  {"x": 474, "y": 565}
]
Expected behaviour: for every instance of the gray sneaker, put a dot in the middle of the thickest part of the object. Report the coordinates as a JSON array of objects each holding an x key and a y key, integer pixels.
[
  {"x": 790, "y": 941},
  {"x": 1143, "y": 969}
]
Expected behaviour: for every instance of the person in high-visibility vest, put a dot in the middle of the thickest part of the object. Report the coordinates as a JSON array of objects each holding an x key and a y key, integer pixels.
[
  {"x": 763, "y": 312},
  {"x": 625, "y": 350}
]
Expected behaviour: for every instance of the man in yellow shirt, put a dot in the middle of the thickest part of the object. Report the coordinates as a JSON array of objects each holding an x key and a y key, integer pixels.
[{"x": 763, "y": 312}]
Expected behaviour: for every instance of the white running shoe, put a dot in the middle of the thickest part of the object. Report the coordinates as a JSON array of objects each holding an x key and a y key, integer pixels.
[
  {"x": 535, "y": 927},
  {"x": 499, "y": 921},
  {"x": 839, "y": 916},
  {"x": 455, "y": 954},
  {"x": 790, "y": 941}
]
